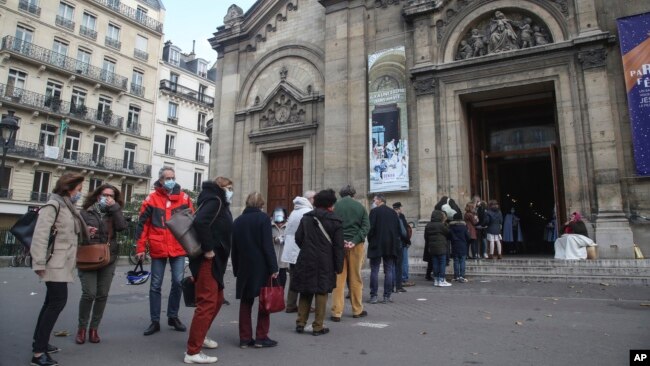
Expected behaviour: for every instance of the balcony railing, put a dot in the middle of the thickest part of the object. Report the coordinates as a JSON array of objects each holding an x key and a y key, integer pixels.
[
  {"x": 39, "y": 196},
  {"x": 86, "y": 160},
  {"x": 65, "y": 23},
  {"x": 172, "y": 120},
  {"x": 132, "y": 14},
  {"x": 142, "y": 55},
  {"x": 186, "y": 93},
  {"x": 171, "y": 152},
  {"x": 88, "y": 32},
  {"x": 6, "y": 194},
  {"x": 134, "y": 128},
  {"x": 44, "y": 56},
  {"x": 50, "y": 104},
  {"x": 30, "y": 8},
  {"x": 113, "y": 43},
  {"x": 137, "y": 89}
]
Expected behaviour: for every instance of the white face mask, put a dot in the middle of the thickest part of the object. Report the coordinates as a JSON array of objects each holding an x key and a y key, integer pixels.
[{"x": 229, "y": 196}]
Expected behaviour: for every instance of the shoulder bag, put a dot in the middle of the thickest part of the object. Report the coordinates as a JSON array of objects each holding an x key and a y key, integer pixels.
[
  {"x": 181, "y": 225},
  {"x": 92, "y": 257},
  {"x": 23, "y": 230}
]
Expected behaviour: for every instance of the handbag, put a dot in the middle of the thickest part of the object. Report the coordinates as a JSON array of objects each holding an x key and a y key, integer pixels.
[
  {"x": 189, "y": 291},
  {"x": 181, "y": 226},
  {"x": 23, "y": 230},
  {"x": 272, "y": 297},
  {"x": 91, "y": 257}
]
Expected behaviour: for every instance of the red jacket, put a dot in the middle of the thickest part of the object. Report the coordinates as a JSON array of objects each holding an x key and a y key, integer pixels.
[{"x": 156, "y": 209}]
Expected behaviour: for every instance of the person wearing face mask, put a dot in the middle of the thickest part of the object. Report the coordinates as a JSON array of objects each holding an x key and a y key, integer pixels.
[
  {"x": 213, "y": 225},
  {"x": 102, "y": 209},
  {"x": 58, "y": 269},
  {"x": 166, "y": 199},
  {"x": 278, "y": 224}
]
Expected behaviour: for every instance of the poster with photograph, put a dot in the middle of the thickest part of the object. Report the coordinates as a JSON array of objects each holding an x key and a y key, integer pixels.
[{"x": 388, "y": 121}]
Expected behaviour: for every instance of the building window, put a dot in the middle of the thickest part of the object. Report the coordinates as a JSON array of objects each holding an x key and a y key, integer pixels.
[
  {"x": 104, "y": 112},
  {"x": 94, "y": 183},
  {"x": 15, "y": 83},
  {"x": 40, "y": 186},
  {"x": 99, "y": 149},
  {"x": 174, "y": 57},
  {"x": 203, "y": 69},
  {"x": 137, "y": 80},
  {"x": 129, "y": 155},
  {"x": 47, "y": 136},
  {"x": 173, "y": 80},
  {"x": 83, "y": 61},
  {"x": 202, "y": 91},
  {"x": 66, "y": 11},
  {"x": 23, "y": 35},
  {"x": 170, "y": 144},
  {"x": 53, "y": 95},
  {"x": 200, "y": 155},
  {"x": 78, "y": 102},
  {"x": 198, "y": 179},
  {"x": 172, "y": 113},
  {"x": 201, "y": 122},
  {"x": 108, "y": 70},
  {"x": 113, "y": 36},
  {"x": 59, "y": 52},
  {"x": 127, "y": 192},
  {"x": 4, "y": 183},
  {"x": 88, "y": 26},
  {"x": 141, "y": 47},
  {"x": 133, "y": 119},
  {"x": 141, "y": 14},
  {"x": 71, "y": 150}
]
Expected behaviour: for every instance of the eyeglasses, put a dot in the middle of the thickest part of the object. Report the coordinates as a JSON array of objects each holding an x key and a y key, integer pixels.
[{"x": 108, "y": 195}]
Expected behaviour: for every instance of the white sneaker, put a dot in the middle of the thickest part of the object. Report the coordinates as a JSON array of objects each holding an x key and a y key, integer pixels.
[
  {"x": 444, "y": 284},
  {"x": 436, "y": 283},
  {"x": 210, "y": 343},
  {"x": 462, "y": 279},
  {"x": 199, "y": 358}
]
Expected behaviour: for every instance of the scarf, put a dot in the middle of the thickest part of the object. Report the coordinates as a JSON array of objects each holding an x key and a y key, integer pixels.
[{"x": 80, "y": 227}]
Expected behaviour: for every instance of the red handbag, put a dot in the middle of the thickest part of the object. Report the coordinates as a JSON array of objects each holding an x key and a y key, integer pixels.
[{"x": 272, "y": 297}]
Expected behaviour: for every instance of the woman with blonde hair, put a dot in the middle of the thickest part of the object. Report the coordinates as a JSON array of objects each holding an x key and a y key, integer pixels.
[{"x": 253, "y": 263}]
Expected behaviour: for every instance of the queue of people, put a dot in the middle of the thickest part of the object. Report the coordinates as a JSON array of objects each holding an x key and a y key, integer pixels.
[{"x": 320, "y": 246}]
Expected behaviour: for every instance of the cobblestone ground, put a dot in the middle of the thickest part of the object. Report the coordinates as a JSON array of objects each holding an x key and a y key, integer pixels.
[{"x": 477, "y": 323}]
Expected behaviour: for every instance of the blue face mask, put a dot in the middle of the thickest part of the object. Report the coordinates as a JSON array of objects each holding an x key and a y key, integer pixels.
[
  {"x": 170, "y": 184},
  {"x": 229, "y": 196},
  {"x": 76, "y": 197},
  {"x": 102, "y": 202}
]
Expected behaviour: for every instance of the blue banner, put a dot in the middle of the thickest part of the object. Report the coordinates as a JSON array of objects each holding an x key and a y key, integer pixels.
[{"x": 634, "y": 35}]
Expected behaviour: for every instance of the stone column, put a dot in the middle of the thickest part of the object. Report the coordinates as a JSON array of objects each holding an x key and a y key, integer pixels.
[
  {"x": 425, "y": 88},
  {"x": 613, "y": 233},
  {"x": 224, "y": 115},
  {"x": 586, "y": 16}
]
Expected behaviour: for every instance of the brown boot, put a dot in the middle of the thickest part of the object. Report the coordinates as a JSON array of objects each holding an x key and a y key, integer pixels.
[
  {"x": 93, "y": 337},
  {"x": 81, "y": 336},
  {"x": 499, "y": 256}
]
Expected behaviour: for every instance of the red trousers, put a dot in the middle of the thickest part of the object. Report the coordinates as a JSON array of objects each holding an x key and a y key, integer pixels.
[
  {"x": 246, "y": 323},
  {"x": 209, "y": 299}
]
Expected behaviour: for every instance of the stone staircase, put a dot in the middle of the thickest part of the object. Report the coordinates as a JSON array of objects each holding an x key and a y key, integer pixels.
[{"x": 610, "y": 271}]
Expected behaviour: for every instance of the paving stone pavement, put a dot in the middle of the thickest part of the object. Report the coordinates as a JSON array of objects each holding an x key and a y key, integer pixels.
[{"x": 476, "y": 323}]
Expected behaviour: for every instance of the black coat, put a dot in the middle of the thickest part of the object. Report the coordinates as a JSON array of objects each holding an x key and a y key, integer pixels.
[
  {"x": 213, "y": 225},
  {"x": 384, "y": 236},
  {"x": 112, "y": 223},
  {"x": 319, "y": 260},
  {"x": 436, "y": 236},
  {"x": 253, "y": 256}
]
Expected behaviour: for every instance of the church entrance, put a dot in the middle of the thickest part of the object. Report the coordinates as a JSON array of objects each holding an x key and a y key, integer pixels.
[
  {"x": 515, "y": 161},
  {"x": 284, "y": 179}
]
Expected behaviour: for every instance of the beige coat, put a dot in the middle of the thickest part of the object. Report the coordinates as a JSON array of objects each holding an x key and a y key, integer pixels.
[{"x": 61, "y": 266}]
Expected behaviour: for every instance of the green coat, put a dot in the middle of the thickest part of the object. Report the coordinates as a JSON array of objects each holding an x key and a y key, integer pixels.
[{"x": 355, "y": 219}]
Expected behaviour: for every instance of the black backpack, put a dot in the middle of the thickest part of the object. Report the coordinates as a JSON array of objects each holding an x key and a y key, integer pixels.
[{"x": 23, "y": 229}]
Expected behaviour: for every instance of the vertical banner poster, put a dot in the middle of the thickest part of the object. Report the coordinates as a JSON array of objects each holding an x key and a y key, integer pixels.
[
  {"x": 388, "y": 121},
  {"x": 634, "y": 34}
]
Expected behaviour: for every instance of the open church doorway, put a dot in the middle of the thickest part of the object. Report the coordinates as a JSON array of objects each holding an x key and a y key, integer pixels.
[{"x": 513, "y": 143}]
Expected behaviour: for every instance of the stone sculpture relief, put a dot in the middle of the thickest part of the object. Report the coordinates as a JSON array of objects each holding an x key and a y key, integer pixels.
[
  {"x": 234, "y": 14},
  {"x": 283, "y": 111},
  {"x": 502, "y": 33}
]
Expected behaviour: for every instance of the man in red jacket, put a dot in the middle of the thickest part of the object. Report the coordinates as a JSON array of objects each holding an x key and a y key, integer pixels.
[{"x": 166, "y": 199}]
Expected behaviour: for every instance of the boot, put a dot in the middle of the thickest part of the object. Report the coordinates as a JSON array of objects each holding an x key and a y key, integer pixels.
[
  {"x": 499, "y": 256},
  {"x": 93, "y": 337},
  {"x": 81, "y": 336}
]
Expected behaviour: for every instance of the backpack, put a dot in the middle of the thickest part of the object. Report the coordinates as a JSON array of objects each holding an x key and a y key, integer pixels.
[{"x": 23, "y": 229}]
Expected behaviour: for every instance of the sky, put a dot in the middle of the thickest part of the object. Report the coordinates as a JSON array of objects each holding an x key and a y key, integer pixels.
[{"x": 188, "y": 20}]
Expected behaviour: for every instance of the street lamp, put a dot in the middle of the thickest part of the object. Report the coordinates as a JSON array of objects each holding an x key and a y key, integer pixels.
[{"x": 8, "y": 128}]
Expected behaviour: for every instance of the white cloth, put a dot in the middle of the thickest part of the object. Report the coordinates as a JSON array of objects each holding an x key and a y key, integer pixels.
[
  {"x": 291, "y": 250},
  {"x": 572, "y": 246},
  {"x": 51, "y": 152}
]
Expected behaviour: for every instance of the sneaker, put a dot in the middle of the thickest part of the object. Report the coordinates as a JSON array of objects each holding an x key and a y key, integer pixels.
[
  {"x": 401, "y": 289},
  {"x": 210, "y": 343},
  {"x": 199, "y": 358},
  {"x": 243, "y": 344},
  {"x": 436, "y": 283},
  {"x": 300, "y": 329},
  {"x": 455, "y": 279},
  {"x": 320, "y": 332},
  {"x": 43, "y": 360},
  {"x": 462, "y": 280},
  {"x": 373, "y": 299},
  {"x": 361, "y": 314},
  {"x": 52, "y": 349},
  {"x": 387, "y": 299},
  {"x": 408, "y": 284},
  {"x": 444, "y": 284},
  {"x": 265, "y": 343}
]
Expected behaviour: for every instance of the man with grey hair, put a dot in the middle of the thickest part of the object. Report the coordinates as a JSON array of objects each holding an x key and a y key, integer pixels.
[
  {"x": 384, "y": 246},
  {"x": 166, "y": 199},
  {"x": 355, "y": 229},
  {"x": 290, "y": 250}
]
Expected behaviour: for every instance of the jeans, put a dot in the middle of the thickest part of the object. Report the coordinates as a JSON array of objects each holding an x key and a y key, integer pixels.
[
  {"x": 439, "y": 266},
  {"x": 405, "y": 264},
  {"x": 459, "y": 266},
  {"x": 473, "y": 246},
  {"x": 388, "y": 275},
  {"x": 157, "y": 274},
  {"x": 397, "y": 271},
  {"x": 55, "y": 298}
]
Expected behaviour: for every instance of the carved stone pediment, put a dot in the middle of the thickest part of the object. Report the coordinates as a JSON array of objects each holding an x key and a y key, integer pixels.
[{"x": 282, "y": 110}]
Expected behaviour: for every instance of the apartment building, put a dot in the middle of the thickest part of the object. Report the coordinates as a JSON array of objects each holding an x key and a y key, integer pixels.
[
  {"x": 185, "y": 104},
  {"x": 75, "y": 74}
]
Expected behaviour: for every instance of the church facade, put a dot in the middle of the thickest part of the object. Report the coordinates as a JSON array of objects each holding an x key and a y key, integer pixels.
[{"x": 522, "y": 101}]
